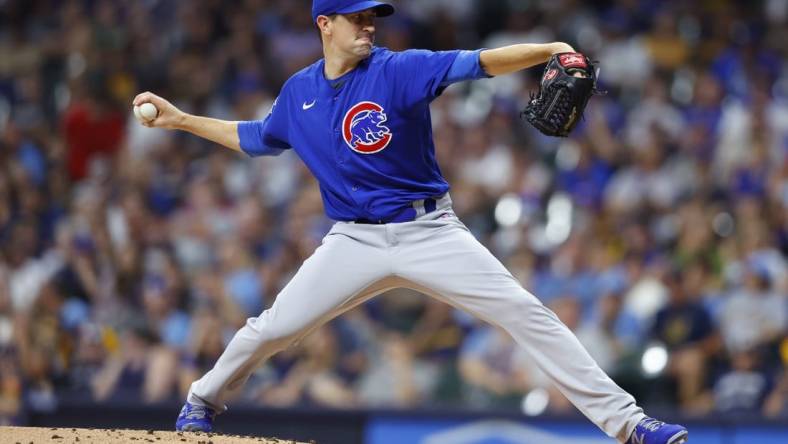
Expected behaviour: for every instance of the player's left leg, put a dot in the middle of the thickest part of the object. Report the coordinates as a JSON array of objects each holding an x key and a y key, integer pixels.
[{"x": 443, "y": 259}]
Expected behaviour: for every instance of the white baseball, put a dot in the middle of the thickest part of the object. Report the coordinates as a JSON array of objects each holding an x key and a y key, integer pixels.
[{"x": 146, "y": 112}]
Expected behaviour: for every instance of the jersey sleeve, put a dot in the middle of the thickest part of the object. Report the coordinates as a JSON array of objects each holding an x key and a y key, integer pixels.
[
  {"x": 467, "y": 66},
  {"x": 418, "y": 75},
  {"x": 267, "y": 137}
]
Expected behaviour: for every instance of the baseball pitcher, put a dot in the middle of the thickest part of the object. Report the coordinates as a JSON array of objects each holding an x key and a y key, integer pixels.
[{"x": 360, "y": 120}]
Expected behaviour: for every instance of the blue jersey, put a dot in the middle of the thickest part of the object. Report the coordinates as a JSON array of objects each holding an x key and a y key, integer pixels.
[{"x": 366, "y": 136}]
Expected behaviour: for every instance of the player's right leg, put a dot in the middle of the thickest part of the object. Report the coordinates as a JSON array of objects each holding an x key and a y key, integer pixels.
[{"x": 350, "y": 266}]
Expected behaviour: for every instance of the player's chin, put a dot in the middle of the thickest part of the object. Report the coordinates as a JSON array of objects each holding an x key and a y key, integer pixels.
[{"x": 363, "y": 50}]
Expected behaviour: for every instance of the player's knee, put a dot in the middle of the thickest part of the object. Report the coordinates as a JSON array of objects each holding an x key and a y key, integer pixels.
[
  {"x": 525, "y": 301},
  {"x": 527, "y": 306},
  {"x": 274, "y": 332}
]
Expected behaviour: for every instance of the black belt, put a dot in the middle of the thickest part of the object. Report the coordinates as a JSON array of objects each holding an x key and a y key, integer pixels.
[{"x": 406, "y": 215}]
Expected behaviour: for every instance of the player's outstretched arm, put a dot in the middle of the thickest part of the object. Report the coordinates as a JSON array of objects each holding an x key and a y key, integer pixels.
[
  {"x": 169, "y": 116},
  {"x": 508, "y": 59}
]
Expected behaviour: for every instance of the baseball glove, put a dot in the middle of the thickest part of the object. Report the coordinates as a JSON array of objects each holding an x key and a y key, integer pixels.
[{"x": 568, "y": 81}]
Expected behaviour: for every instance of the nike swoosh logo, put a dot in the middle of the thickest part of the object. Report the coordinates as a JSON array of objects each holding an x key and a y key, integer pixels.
[{"x": 306, "y": 106}]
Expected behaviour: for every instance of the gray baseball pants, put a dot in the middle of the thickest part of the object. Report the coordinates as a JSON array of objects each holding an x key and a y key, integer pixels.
[{"x": 436, "y": 255}]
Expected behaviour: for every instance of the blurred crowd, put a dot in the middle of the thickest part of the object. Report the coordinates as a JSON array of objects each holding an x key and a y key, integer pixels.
[{"x": 658, "y": 232}]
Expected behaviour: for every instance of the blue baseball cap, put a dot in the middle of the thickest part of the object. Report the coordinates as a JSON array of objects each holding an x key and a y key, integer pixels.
[{"x": 328, "y": 7}]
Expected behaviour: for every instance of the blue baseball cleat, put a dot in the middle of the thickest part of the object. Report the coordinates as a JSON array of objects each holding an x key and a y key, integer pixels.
[
  {"x": 651, "y": 431},
  {"x": 195, "y": 418}
]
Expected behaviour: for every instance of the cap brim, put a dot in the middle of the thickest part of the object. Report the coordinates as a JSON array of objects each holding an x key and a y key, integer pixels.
[{"x": 381, "y": 9}]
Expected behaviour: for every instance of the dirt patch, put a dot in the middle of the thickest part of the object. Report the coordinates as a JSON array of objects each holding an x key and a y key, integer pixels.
[{"x": 37, "y": 435}]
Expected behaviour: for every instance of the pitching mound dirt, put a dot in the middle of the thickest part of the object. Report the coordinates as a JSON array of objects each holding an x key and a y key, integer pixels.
[{"x": 37, "y": 435}]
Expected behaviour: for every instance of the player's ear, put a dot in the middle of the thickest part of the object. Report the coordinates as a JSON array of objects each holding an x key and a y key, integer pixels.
[{"x": 324, "y": 25}]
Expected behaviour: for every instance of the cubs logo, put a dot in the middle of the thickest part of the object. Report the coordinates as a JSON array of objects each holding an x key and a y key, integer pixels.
[{"x": 363, "y": 128}]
